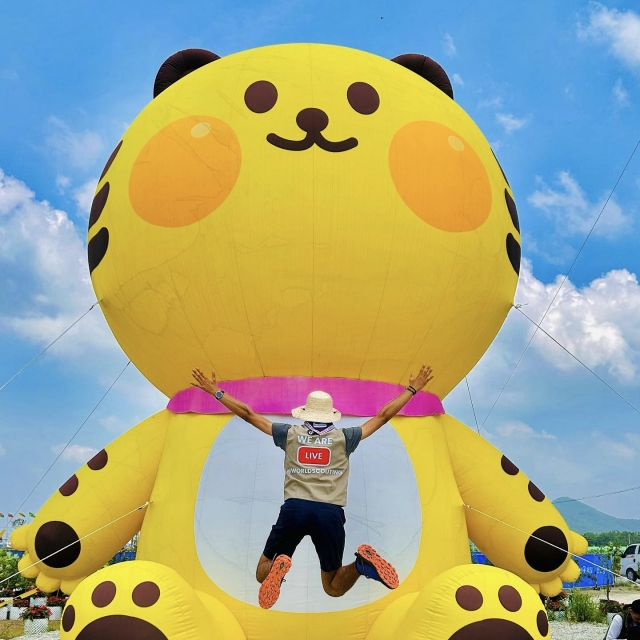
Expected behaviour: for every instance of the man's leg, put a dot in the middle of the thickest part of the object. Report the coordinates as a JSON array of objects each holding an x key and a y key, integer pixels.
[{"x": 337, "y": 583}]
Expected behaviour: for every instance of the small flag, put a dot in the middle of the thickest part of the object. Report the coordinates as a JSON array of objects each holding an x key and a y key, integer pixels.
[
  {"x": 2, "y": 533},
  {"x": 22, "y": 515},
  {"x": 32, "y": 515},
  {"x": 10, "y": 515},
  {"x": 1, "y": 515},
  {"x": 29, "y": 593}
]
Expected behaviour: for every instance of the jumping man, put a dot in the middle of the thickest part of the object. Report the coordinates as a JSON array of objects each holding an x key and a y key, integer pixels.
[{"x": 315, "y": 488}]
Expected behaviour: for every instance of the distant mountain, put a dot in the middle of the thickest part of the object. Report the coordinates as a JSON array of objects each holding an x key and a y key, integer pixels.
[{"x": 583, "y": 518}]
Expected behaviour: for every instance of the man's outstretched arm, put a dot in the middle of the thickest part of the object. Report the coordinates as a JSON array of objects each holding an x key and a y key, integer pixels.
[
  {"x": 242, "y": 410},
  {"x": 391, "y": 409}
]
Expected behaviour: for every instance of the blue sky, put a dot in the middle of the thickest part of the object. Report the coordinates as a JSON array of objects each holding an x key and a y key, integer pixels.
[{"x": 555, "y": 86}]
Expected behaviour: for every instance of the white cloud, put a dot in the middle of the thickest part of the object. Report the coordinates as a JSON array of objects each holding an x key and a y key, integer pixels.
[
  {"x": 517, "y": 429},
  {"x": 80, "y": 148},
  {"x": 572, "y": 211},
  {"x": 510, "y": 122},
  {"x": 620, "y": 94},
  {"x": 492, "y": 103},
  {"x": 47, "y": 285},
  {"x": 74, "y": 452},
  {"x": 599, "y": 323},
  {"x": 63, "y": 182},
  {"x": 458, "y": 80},
  {"x": 83, "y": 196},
  {"x": 449, "y": 45},
  {"x": 620, "y": 30},
  {"x": 113, "y": 424}
]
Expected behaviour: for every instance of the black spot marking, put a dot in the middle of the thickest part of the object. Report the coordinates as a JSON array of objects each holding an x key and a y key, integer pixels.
[
  {"x": 146, "y": 594},
  {"x": 97, "y": 248},
  {"x": 70, "y": 486},
  {"x": 549, "y": 551},
  {"x": 99, "y": 461},
  {"x": 469, "y": 598},
  {"x": 68, "y": 617},
  {"x": 509, "y": 598},
  {"x": 114, "y": 153},
  {"x": 513, "y": 211},
  {"x": 501, "y": 169},
  {"x": 508, "y": 466},
  {"x": 103, "y": 594},
  {"x": 51, "y": 538},
  {"x": 513, "y": 251},
  {"x": 543, "y": 623},
  {"x": 535, "y": 493},
  {"x": 98, "y": 204}
]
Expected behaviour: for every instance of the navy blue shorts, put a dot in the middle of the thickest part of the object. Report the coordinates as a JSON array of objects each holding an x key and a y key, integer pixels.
[{"x": 322, "y": 521}]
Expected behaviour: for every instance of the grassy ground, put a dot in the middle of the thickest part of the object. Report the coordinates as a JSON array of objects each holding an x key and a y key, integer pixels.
[{"x": 15, "y": 628}]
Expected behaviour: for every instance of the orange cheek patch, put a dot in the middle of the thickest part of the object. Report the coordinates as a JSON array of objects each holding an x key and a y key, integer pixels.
[
  {"x": 185, "y": 172},
  {"x": 439, "y": 176}
]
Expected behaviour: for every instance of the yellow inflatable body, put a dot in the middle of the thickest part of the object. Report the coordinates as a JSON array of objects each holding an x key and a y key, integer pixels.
[{"x": 301, "y": 212}]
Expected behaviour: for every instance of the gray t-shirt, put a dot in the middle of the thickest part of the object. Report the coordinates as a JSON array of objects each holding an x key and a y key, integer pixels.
[{"x": 352, "y": 436}]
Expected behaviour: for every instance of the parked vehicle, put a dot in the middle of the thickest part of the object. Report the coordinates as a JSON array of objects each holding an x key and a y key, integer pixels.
[{"x": 629, "y": 562}]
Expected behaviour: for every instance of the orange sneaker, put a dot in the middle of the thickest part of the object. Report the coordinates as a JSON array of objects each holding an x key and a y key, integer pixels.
[
  {"x": 371, "y": 564},
  {"x": 270, "y": 587}
]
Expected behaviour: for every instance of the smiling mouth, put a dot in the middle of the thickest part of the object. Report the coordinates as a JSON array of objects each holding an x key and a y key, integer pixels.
[{"x": 313, "y": 122}]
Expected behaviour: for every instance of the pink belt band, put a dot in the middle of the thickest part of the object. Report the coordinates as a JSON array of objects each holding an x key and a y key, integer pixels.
[{"x": 278, "y": 396}]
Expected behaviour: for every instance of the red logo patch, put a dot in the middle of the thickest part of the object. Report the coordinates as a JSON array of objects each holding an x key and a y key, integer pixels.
[{"x": 315, "y": 456}]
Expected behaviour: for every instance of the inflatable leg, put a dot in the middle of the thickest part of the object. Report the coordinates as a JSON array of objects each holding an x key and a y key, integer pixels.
[
  {"x": 134, "y": 600},
  {"x": 466, "y": 603}
]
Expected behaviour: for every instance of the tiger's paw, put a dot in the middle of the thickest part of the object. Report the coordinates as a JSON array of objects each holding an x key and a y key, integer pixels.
[
  {"x": 475, "y": 601},
  {"x": 134, "y": 600}
]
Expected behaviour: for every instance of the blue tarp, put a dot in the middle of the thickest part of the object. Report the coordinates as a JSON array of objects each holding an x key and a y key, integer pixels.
[{"x": 590, "y": 575}]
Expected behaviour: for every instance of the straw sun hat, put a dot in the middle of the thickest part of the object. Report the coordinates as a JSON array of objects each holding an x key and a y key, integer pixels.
[{"x": 319, "y": 408}]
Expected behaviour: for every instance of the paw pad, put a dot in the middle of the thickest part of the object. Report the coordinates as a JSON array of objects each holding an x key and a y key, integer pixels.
[
  {"x": 122, "y": 627},
  {"x": 469, "y": 598},
  {"x": 546, "y": 549},
  {"x": 146, "y": 594},
  {"x": 509, "y": 598},
  {"x": 103, "y": 594},
  {"x": 52, "y": 538}
]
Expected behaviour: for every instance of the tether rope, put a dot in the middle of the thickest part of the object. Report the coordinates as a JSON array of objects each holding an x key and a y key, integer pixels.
[
  {"x": 26, "y": 366},
  {"x": 475, "y": 417},
  {"x": 563, "y": 280},
  {"x": 517, "y": 307},
  {"x": 598, "y": 495},
  {"x": 142, "y": 506},
  {"x": 66, "y": 446}
]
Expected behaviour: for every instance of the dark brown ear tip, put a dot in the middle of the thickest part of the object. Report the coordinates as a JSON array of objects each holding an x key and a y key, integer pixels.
[
  {"x": 179, "y": 65},
  {"x": 428, "y": 69}
]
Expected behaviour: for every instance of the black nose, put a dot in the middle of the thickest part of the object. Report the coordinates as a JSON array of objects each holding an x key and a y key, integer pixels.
[{"x": 312, "y": 120}]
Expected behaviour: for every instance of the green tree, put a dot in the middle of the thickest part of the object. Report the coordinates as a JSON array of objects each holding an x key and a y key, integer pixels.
[{"x": 8, "y": 567}]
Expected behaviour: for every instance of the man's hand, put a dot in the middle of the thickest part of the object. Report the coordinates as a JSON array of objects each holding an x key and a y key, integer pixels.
[
  {"x": 209, "y": 385},
  {"x": 422, "y": 378}
]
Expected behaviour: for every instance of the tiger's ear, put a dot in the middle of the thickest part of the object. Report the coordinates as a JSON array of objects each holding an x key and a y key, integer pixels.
[
  {"x": 428, "y": 69},
  {"x": 179, "y": 65}
]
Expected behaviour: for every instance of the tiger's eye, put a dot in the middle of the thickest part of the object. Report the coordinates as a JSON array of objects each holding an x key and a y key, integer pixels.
[
  {"x": 261, "y": 96},
  {"x": 363, "y": 98}
]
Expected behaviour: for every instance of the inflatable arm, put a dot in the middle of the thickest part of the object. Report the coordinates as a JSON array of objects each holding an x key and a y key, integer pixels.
[
  {"x": 508, "y": 517},
  {"x": 114, "y": 482}
]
